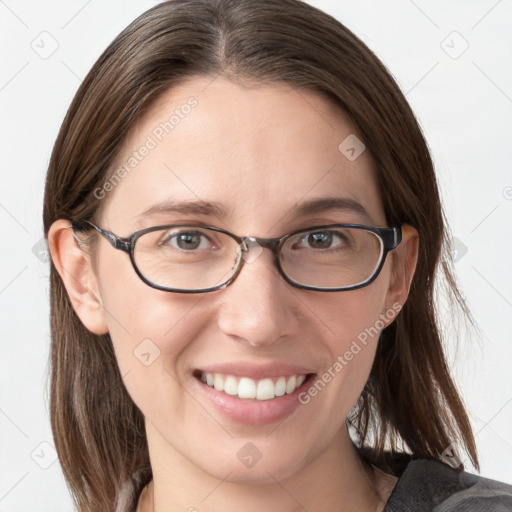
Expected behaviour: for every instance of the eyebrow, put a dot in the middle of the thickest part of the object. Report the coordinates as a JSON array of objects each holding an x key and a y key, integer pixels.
[
  {"x": 311, "y": 207},
  {"x": 186, "y": 207},
  {"x": 328, "y": 204}
]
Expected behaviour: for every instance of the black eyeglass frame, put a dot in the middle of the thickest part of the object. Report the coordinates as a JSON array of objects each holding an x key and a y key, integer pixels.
[{"x": 391, "y": 238}]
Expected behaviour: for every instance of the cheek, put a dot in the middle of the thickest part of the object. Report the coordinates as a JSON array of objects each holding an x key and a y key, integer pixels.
[
  {"x": 151, "y": 331},
  {"x": 354, "y": 324},
  {"x": 354, "y": 316},
  {"x": 153, "y": 349}
]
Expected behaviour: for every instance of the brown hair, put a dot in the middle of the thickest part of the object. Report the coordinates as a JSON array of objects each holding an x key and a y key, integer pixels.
[{"x": 410, "y": 399}]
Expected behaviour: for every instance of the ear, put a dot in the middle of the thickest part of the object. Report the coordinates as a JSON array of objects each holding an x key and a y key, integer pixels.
[
  {"x": 75, "y": 270},
  {"x": 404, "y": 266}
]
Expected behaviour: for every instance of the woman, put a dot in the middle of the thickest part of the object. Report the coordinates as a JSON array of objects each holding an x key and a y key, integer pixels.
[{"x": 245, "y": 226}]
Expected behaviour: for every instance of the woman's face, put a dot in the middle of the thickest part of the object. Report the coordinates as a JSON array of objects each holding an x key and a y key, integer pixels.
[{"x": 254, "y": 156}]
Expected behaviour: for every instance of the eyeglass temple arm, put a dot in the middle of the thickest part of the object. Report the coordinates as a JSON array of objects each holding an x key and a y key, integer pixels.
[
  {"x": 392, "y": 237},
  {"x": 116, "y": 242}
]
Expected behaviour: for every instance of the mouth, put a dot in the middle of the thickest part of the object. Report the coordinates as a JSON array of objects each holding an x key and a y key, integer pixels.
[{"x": 248, "y": 389}]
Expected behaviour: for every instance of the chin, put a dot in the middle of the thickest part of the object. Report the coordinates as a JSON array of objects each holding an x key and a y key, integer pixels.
[{"x": 264, "y": 471}]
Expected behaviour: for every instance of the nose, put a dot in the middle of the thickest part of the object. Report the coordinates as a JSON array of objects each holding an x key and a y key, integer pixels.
[{"x": 259, "y": 307}]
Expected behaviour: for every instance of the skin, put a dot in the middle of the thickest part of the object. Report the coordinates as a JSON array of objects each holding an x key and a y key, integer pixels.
[{"x": 257, "y": 150}]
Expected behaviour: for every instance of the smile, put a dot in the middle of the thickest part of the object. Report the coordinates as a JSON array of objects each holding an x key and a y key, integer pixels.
[
  {"x": 252, "y": 395},
  {"x": 247, "y": 388}
]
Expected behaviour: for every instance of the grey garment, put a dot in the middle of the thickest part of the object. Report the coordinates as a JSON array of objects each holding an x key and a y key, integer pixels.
[
  {"x": 431, "y": 486},
  {"x": 423, "y": 486}
]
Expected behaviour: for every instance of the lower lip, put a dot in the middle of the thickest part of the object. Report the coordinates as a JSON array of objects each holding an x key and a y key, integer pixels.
[{"x": 253, "y": 412}]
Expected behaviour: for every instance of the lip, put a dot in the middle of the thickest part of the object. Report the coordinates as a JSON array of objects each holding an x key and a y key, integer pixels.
[
  {"x": 256, "y": 372},
  {"x": 251, "y": 411}
]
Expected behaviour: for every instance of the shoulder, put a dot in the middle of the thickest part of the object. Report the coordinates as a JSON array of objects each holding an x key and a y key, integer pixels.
[{"x": 431, "y": 486}]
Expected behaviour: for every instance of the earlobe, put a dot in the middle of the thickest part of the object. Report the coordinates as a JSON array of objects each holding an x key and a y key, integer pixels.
[
  {"x": 76, "y": 273},
  {"x": 406, "y": 259}
]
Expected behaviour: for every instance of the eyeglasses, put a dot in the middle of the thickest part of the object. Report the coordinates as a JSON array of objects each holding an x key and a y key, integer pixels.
[{"x": 188, "y": 258}]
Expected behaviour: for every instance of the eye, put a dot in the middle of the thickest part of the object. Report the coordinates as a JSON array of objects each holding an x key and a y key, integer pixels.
[
  {"x": 326, "y": 239},
  {"x": 186, "y": 240}
]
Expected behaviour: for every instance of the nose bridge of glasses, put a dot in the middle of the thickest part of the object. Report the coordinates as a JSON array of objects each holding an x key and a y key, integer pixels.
[{"x": 249, "y": 242}]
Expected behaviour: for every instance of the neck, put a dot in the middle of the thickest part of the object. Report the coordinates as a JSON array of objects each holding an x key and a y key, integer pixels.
[{"x": 336, "y": 479}]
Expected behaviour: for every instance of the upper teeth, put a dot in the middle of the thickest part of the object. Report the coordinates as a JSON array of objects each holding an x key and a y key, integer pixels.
[{"x": 245, "y": 387}]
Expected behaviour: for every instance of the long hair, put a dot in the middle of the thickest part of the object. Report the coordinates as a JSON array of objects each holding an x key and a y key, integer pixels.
[{"x": 410, "y": 402}]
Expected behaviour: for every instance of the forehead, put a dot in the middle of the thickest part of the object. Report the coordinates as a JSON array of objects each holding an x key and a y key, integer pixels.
[{"x": 257, "y": 151}]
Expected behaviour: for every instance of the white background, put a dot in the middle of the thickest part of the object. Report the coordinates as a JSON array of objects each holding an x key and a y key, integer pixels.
[{"x": 464, "y": 106}]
